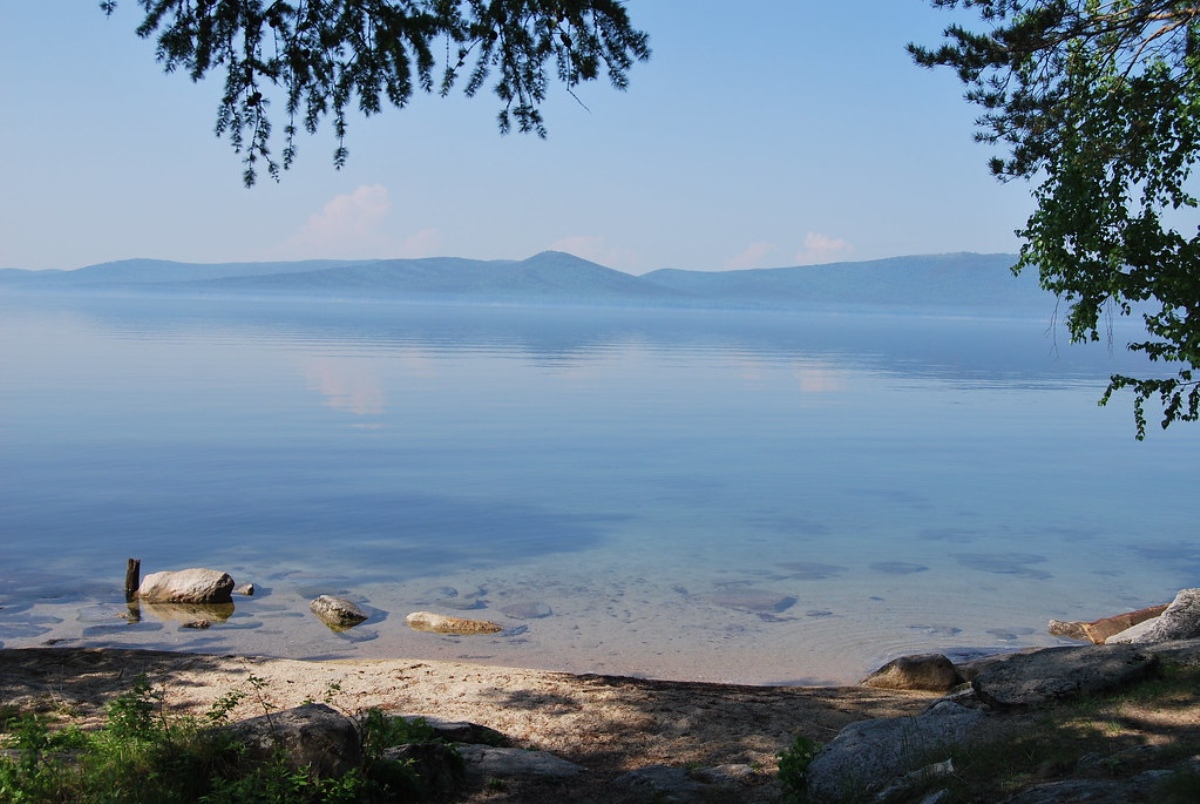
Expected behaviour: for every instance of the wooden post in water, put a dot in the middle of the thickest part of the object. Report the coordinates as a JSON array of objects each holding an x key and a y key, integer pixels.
[{"x": 133, "y": 578}]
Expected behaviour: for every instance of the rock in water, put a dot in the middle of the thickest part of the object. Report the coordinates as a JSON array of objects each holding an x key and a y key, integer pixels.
[
  {"x": 441, "y": 624},
  {"x": 337, "y": 612},
  {"x": 931, "y": 672},
  {"x": 753, "y": 600},
  {"x": 1098, "y": 631},
  {"x": 1180, "y": 620},
  {"x": 195, "y": 585}
]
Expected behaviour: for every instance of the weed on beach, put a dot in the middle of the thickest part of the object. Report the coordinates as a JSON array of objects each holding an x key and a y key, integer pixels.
[{"x": 145, "y": 753}]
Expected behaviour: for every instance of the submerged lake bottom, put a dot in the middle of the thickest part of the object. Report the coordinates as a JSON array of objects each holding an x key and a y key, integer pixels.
[{"x": 758, "y": 498}]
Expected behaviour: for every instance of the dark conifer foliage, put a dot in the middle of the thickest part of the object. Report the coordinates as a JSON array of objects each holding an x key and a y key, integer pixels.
[{"x": 323, "y": 58}]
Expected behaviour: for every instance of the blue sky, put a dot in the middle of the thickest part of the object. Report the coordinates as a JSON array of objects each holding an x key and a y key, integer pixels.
[{"x": 761, "y": 134}]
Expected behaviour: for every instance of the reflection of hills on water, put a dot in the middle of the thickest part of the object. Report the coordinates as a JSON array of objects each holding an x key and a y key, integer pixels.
[
  {"x": 960, "y": 281},
  {"x": 956, "y": 347}
]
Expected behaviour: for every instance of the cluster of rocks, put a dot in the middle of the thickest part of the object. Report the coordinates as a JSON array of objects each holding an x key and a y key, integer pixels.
[
  {"x": 1179, "y": 619},
  {"x": 886, "y": 760},
  {"x": 317, "y": 739},
  {"x": 882, "y": 760},
  {"x": 198, "y": 596}
]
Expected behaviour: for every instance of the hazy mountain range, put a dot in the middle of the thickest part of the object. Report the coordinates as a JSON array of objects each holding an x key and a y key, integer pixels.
[{"x": 948, "y": 280}]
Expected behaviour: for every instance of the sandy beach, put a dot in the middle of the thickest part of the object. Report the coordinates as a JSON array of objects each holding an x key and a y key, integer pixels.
[{"x": 609, "y": 725}]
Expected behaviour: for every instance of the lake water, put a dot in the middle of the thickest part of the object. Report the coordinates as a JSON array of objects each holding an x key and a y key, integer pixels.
[{"x": 760, "y": 498}]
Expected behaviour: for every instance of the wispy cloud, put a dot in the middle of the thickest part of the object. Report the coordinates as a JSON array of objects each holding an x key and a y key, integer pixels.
[
  {"x": 356, "y": 225},
  {"x": 819, "y": 248},
  {"x": 425, "y": 243},
  {"x": 751, "y": 257},
  {"x": 598, "y": 250}
]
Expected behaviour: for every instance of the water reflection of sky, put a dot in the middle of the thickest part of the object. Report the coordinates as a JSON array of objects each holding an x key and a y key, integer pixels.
[{"x": 397, "y": 444}]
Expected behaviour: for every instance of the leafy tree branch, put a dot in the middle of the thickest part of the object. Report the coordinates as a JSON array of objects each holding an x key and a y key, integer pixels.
[{"x": 1098, "y": 103}]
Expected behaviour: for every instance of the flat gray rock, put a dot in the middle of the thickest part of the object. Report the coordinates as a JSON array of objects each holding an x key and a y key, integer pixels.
[
  {"x": 1091, "y": 791},
  {"x": 662, "y": 783},
  {"x": 1055, "y": 674},
  {"x": 871, "y": 754},
  {"x": 514, "y": 762},
  {"x": 753, "y": 600}
]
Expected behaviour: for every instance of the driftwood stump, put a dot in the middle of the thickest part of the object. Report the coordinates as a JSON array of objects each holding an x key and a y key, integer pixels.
[{"x": 133, "y": 578}]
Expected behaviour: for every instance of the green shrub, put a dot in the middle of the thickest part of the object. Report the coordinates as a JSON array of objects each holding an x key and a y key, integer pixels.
[
  {"x": 144, "y": 753},
  {"x": 793, "y": 766}
]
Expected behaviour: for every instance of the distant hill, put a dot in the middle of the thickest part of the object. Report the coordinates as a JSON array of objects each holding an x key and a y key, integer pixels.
[{"x": 966, "y": 281}]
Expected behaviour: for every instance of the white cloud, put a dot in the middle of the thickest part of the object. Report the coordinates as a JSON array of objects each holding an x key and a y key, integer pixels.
[
  {"x": 598, "y": 250},
  {"x": 351, "y": 225},
  {"x": 819, "y": 248},
  {"x": 425, "y": 243},
  {"x": 751, "y": 257}
]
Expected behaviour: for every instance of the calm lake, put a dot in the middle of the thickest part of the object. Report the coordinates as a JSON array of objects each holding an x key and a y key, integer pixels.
[{"x": 749, "y": 497}]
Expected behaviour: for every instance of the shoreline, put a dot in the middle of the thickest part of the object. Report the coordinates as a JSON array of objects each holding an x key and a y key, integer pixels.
[
  {"x": 647, "y": 630},
  {"x": 608, "y": 724}
]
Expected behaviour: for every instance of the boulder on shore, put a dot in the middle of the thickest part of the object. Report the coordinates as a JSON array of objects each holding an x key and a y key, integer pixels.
[
  {"x": 930, "y": 672},
  {"x": 441, "y": 624},
  {"x": 1180, "y": 620},
  {"x": 1098, "y": 631},
  {"x": 314, "y": 738},
  {"x": 194, "y": 585},
  {"x": 337, "y": 612},
  {"x": 1054, "y": 674}
]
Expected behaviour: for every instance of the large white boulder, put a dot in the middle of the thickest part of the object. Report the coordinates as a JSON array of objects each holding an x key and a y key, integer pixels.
[
  {"x": 195, "y": 585},
  {"x": 1180, "y": 620}
]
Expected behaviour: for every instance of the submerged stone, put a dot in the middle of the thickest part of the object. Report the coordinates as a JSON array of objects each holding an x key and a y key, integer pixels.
[
  {"x": 898, "y": 567},
  {"x": 812, "y": 570},
  {"x": 1005, "y": 564},
  {"x": 441, "y": 624},
  {"x": 447, "y": 597},
  {"x": 527, "y": 611},
  {"x": 754, "y": 601}
]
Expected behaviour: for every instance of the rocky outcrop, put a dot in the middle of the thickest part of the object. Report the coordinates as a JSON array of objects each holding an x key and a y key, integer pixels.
[
  {"x": 1098, "y": 631},
  {"x": 439, "y": 768},
  {"x": 441, "y": 624},
  {"x": 717, "y": 783},
  {"x": 492, "y": 761},
  {"x": 870, "y": 755},
  {"x": 195, "y": 585},
  {"x": 1055, "y": 674},
  {"x": 314, "y": 737},
  {"x": 1179, "y": 620},
  {"x": 929, "y": 672},
  {"x": 337, "y": 612},
  {"x": 895, "y": 759}
]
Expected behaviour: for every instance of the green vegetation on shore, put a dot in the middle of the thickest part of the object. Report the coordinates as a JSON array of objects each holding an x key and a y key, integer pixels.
[
  {"x": 147, "y": 754},
  {"x": 1111, "y": 736}
]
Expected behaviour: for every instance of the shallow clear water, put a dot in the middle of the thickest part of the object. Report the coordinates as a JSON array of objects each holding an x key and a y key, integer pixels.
[{"x": 745, "y": 497}]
